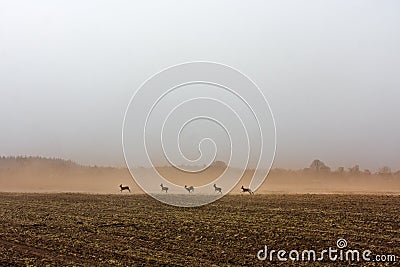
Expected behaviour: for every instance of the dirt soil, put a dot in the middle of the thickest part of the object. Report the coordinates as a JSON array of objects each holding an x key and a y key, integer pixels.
[{"x": 136, "y": 230}]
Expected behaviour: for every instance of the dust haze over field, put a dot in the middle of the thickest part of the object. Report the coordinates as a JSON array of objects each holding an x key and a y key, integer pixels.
[{"x": 55, "y": 175}]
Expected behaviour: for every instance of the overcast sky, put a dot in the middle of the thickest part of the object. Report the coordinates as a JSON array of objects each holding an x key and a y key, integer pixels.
[{"x": 329, "y": 69}]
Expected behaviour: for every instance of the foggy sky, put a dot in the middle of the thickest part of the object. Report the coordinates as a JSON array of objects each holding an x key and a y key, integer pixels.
[{"x": 330, "y": 71}]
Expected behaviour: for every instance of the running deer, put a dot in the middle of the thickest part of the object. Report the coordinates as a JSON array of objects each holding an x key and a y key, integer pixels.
[
  {"x": 124, "y": 188},
  {"x": 190, "y": 189},
  {"x": 217, "y": 189},
  {"x": 244, "y": 190},
  {"x": 164, "y": 188}
]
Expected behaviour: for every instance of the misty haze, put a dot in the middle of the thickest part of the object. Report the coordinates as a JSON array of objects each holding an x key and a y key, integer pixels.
[{"x": 328, "y": 70}]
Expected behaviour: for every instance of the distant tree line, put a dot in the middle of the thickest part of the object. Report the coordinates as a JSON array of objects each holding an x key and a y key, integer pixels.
[
  {"x": 316, "y": 167},
  {"x": 14, "y": 162}
]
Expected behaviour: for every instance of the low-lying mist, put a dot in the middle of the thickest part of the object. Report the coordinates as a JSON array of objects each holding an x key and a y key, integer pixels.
[{"x": 35, "y": 174}]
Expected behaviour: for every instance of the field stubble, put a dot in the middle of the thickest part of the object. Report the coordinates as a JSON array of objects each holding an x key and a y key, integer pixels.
[{"x": 136, "y": 230}]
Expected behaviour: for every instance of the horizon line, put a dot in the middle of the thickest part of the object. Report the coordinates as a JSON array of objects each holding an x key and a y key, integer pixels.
[{"x": 211, "y": 165}]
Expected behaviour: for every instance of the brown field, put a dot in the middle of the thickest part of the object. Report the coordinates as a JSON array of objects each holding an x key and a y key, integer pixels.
[{"x": 135, "y": 230}]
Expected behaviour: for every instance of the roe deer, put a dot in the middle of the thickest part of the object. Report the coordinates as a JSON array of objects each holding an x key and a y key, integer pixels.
[
  {"x": 164, "y": 188},
  {"x": 247, "y": 190},
  {"x": 190, "y": 189},
  {"x": 124, "y": 188},
  {"x": 217, "y": 189}
]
